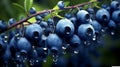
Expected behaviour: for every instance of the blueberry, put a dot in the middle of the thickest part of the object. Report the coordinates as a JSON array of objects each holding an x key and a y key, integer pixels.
[
  {"x": 62, "y": 62},
  {"x": 74, "y": 60},
  {"x": 42, "y": 52},
  {"x": 51, "y": 22},
  {"x": 54, "y": 42},
  {"x": 108, "y": 9},
  {"x": 11, "y": 21},
  {"x": 68, "y": 15},
  {"x": 102, "y": 16},
  {"x": 33, "y": 32},
  {"x": 23, "y": 45},
  {"x": 3, "y": 25},
  {"x": 75, "y": 41},
  {"x": 32, "y": 10},
  {"x": 115, "y": 5},
  {"x": 61, "y": 4},
  {"x": 38, "y": 18},
  {"x": 11, "y": 34},
  {"x": 112, "y": 24},
  {"x": 33, "y": 54},
  {"x": 7, "y": 55},
  {"x": 116, "y": 16},
  {"x": 96, "y": 26},
  {"x": 48, "y": 31},
  {"x": 44, "y": 14},
  {"x": 2, "y": 45},
  {"x": 13, "y": 42},
  {"x": 104, "y": 6},
  {"x": 86, "y": 31},
  {"x": 65, "y": 28},
  {"x": 80, "y": 8},
  {"x": 43, "y": 24},
  {"x": 2, "y": 35},
  {"x": 83, "y": 16},
  {"x": 91, "y": 10},
  {"x": 73, "y": 20}
]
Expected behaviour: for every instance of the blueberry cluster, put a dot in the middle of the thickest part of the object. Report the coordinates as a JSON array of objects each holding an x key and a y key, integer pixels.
[{"x": 77, "y": 34}]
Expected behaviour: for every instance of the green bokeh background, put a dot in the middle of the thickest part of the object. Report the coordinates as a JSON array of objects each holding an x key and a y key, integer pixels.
[{"x": 109, "y": 57}]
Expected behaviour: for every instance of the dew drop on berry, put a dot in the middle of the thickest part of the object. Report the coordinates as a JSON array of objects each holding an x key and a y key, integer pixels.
[
  {"x": 63, "y": 47},
  {"x": 76, "y": 51},
  {"x": 18, "y": 55},
  {"x": 44, "y": 60},
  {"x": 45, "y": 49},
  {"x": 94, "y": 38},
  {"x": 112, "y": 33},
  {"x": 17, "y": 65},
  {"x": 37, "y": 61},
  {"x": 55, "y": 59},
  {"x": 102, "y": 30},
  {"x": 31, "y": 62}
]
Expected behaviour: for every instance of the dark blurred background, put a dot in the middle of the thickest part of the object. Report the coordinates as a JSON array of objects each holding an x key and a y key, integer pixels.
[{"x": 110, "y": 52}]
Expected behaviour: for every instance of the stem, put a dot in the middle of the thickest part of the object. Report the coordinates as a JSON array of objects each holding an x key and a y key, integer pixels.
[{"x": 44, "y": 11}]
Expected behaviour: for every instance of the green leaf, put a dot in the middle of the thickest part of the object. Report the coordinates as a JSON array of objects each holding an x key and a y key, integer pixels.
[
  {"x": 28, "y": 5},
  {"x": 96, "y": 4},
  {"x": 18, "y": 6},
  {"x": 47, "y": 17},
  {"x": 67, "y": 3},
  {"x": 86, "y": 6},
  {"x": 93, "y": 0},
  {"x": 56, "y": 7},
  {"x": 32, "y": 20}
]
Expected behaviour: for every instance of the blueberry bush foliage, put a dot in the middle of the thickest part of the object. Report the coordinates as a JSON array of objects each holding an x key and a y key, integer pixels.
[{"x": 80, "y": 35}]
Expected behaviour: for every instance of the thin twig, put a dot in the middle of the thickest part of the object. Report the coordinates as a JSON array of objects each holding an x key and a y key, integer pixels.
[{"x": 44, "y": 11}]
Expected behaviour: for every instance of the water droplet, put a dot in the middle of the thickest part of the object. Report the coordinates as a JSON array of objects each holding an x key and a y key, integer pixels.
[
  {"x": 102, "y": 30},
  {"x": 17, "y": 35},
  {"x": 24, "y": 58},
  {"x": 89, "y": 34},
  {"x": 88, "y": 43},
  {"x": 31, "y": 62},
  {"x": 94, "y": 38},
  {"x": 33, "y": 47},
  {"x": 36, "y": 37},
  {"x": 17, "y": 65},
  {"x": 112, "y": 33},
  {"x": 64, "y": 52},
  {"x": 63, "y": 47},
  {"x": 68, "y": 44},
  {"x": 37, "y": 61},
  {"x": 5, "y": 41},
  {"x": 67, "y": 32},
  {"x": 18, "y": 56},
  {"x": 44, "y": 48},
  {"x": 44, "y": 60},
  {"x": 55, "y": 58},
  {"x": 76, "y": 52},
  {"x": 85, "y": 42},
  {"x": 6, "y": 37}
]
